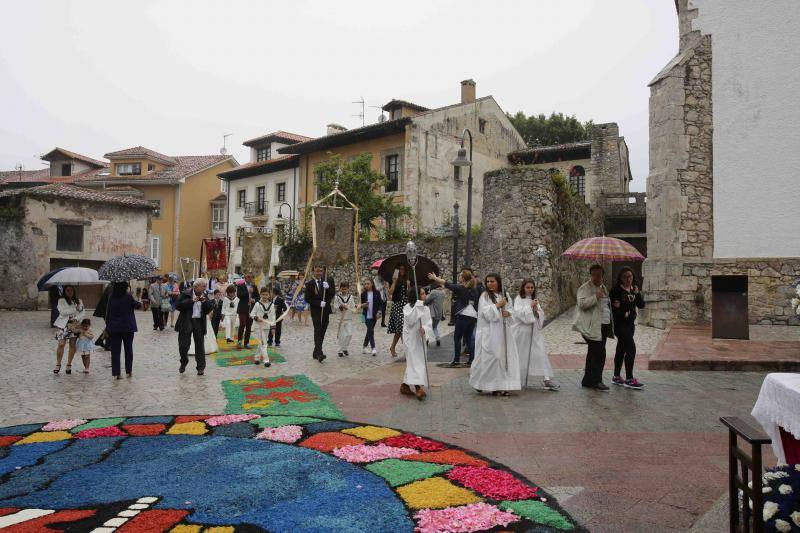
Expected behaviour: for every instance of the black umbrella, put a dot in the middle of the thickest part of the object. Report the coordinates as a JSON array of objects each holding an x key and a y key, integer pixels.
[
  {"x": 423, "y": 268},
  {"x": 127, "y": 267},
  {"x": 46, "y": 277}
]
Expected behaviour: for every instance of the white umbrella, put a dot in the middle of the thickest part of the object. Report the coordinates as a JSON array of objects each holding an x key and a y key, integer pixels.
[{"x": 75, "y": 276}]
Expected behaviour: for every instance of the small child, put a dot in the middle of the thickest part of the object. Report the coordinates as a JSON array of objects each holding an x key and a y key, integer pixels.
[
  {"x": 229, "y": 304},
  {"x": 280, "y": 307},
  {"x": 85, "y": 343},
  {"x": 216, "y": 314},
  {"x": 263, "y": 315},
  {"x": 344, "y": 304}
]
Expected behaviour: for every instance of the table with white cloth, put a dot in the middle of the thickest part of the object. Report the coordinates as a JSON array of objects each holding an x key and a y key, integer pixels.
[{"x": 778, "y": 411}]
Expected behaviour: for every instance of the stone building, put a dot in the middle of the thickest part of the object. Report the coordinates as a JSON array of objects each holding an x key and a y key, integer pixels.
[
  {"x": 58, "y": 225},
  {"x": 414, "y": 149},
  {"x": 722, "y": 197}
]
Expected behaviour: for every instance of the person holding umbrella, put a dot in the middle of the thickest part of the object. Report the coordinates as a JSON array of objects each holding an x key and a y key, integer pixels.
[
  {"x": 70, "y": 309},
  {"x": 193, "y": 307},
  {"x": 398, "y": 292},
  {"x": 121, "y": 326},
  {"x": 593, "y": 320}
]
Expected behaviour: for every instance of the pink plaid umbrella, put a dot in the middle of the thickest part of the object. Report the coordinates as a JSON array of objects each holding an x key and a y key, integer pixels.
[
  {"x": 603, "y": 249},
  {"x": 377, "y": 263}
]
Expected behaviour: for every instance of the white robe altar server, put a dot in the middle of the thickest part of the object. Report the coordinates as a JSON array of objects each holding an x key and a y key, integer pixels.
[
  {"x": 344, "y": 305},
  {"x": 229, "y": 305},
  {"x": 417, "y": 329},
  {"x": 263, "y": 315},
  {"x": 527, "y": 330},
  {"x": 495, "y": 368}
]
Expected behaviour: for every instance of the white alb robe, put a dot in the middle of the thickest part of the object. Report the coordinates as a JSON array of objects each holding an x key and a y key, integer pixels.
[
  {"x": 209, "y": 340},
  {"x": 527, "y": 329},
  {"x": 496, "y": 363},
  {"x": 262, "y": 326},
  {"x": 229, "y": 315},
  {"x": 418, "y": 316},
  {"x": 344, "y": 319}
]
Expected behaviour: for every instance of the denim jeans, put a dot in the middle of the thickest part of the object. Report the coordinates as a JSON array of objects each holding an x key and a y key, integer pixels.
[
  {"x": 369, "y": 338},
  {"x": 465, "y": 329}
]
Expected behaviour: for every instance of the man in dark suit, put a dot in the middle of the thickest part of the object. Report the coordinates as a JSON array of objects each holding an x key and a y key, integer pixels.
[
  {"x": 191, "y": 324},
  {"x": 319, "y": 293},
  {"x": 247, "y": 295}
]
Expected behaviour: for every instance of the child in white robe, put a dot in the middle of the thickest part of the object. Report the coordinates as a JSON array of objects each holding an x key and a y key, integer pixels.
[
  {"x": 495, "y": 368},
  {"x": 417, "y": 329},
  {"x": 527, "y": 329},
  {"x": 229, "y": 304},
  {"x": 263, "y": 315},
  {"x": 345, "y": 306}
]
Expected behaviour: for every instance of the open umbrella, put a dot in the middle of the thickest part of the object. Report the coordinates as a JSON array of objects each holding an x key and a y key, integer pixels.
[
  {"x": 41, "y": 283},
  {"x": 377, "y": 263},
  {"x": 603, "y": 249},
  {"x": 423, "y": 267},
  {"x": 75, "y": 276},
  {"x": 288, "y": 273},
  {"x": 127, "y": 267}
]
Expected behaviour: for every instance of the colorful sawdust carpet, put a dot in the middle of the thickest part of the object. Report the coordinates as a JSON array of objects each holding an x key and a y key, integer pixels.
[
  {"x": 281, "y": 395},
  {"x": 228, "y": 355},
  {"x": 248, "y": 472}
]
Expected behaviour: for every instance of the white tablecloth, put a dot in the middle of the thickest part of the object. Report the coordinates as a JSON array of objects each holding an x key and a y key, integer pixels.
[{"x": 778, "y": 404}]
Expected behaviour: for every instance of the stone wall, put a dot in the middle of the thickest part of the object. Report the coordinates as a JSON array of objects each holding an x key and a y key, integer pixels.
[
  {"x": 530, "y": 209},
  {"x": 20, "y": 246}
]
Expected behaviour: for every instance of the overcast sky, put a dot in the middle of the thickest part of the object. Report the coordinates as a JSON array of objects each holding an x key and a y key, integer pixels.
[{"x": 174, "y": 76}]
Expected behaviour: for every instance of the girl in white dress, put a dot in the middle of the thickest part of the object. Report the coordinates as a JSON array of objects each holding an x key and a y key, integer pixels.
[
  {"x": 263, "y": 315},
  {"x": 496, "y": 365},
  {"x": 527, "y": 329},
  {"x": 229, "y": 305},
  {"x": 345, "y": 306},
  {"x": 417, "y": 329}
]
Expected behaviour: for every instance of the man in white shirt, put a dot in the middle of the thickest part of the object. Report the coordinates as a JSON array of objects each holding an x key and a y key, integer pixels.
[{"x": 193, "y": 306}]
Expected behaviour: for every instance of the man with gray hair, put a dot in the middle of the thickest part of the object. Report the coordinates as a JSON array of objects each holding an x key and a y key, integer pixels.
[{"x": 191, "y": 325}]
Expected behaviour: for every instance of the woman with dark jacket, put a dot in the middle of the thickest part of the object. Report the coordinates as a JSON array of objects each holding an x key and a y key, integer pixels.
[
  {"x": 465, "y": 311},
  {"x": 625, "y": 299},
  {"x": 371, "y": 305},
  {"x": 120, "y": 326}
]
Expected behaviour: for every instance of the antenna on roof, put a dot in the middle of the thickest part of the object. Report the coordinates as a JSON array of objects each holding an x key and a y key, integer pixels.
[
  {"x": 224, "y": 150},
  {"x": 362, "y": 110},
  {"x": 381, "y": 117}
]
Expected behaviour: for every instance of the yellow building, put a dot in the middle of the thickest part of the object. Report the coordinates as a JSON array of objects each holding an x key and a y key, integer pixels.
[{"x": 186, "y": 192}]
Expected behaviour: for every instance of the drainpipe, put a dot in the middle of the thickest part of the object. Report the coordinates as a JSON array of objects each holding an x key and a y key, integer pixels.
[
  {"x": 228, "y": 222},
  {"x": 176, "y": 233}
]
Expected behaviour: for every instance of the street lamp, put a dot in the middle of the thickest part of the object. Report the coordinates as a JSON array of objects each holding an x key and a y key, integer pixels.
[
  {"x": 462, "y": 161},
  {"x": 456, "y": 228},
  {"x": 291, "y": 217}
]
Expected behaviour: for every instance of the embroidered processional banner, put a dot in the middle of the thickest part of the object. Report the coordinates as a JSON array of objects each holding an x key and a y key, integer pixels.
[
  {"x": 333, "y": 235},
  {"x": 256, "y": 252},
  {"x": 216, "y": 254}
]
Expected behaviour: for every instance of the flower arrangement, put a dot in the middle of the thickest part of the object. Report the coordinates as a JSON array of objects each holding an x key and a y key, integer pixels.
[
  {"x": 782, "y": 499},
  {"x": 110, "y": 431},
  {"x": 492, "y": 483},
  {"x": 229, "y": 419},
  {"x": 361, "y": 453},
  {"x": 287, "y": 434},
  {"x": 63, "y": 425},
  {"x": 473, "y": 517},
  {"x": 407, "y": 440}
]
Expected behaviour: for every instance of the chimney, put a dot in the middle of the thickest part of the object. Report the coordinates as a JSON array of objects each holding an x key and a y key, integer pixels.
[
  {"x": 467, "y": 91},
  {"x": 334, "y": 129}
]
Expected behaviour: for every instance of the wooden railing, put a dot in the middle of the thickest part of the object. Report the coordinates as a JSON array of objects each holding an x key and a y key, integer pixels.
[{"x": 743, "y": 467}]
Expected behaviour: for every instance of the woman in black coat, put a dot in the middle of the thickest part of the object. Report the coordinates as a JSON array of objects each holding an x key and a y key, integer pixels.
[
  {"x": 121, "y": 326},
  {"x": 625, "y": 299}
]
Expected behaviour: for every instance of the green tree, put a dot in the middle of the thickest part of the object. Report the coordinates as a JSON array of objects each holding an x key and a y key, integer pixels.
[
  {"x": 540, "y": 130},
  {"x": 361, "y": 185}
]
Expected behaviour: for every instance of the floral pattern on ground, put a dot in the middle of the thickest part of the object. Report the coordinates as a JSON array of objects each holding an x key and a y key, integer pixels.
[
  {"x": 282, "y": 395},
  {"x": 290, "y": 476}
]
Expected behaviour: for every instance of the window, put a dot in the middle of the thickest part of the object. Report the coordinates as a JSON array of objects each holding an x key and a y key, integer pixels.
[
  {"x": 262, "y": 154},
  {"x": 392, "y": 172},
  {"x": 481, "y": 125},
  {"x": 218, "y": 219},
  {"x": 224, "y": 186},
  {"x": 150, "y": 167},
  {"x": 241, "y": 198},
  {"x": 129, "y": 169},
  {"x": 155, "y": 250},
  {"x": 261, "y": 196},
  {"x": 280, "y": 192},
  {"x": 157, "y": 210},
  {"x": 69, "y": 238},
  {"x": 66, "y": 169},
  {"x": 239, "y": 237},
  {"x": 577, "y": 180}
]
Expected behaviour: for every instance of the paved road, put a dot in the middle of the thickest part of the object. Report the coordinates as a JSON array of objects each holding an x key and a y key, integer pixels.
[{"x": 619, "y": 461}]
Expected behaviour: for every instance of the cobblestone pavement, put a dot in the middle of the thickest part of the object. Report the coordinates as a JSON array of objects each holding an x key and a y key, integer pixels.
[{"x": 619, "y": 461}]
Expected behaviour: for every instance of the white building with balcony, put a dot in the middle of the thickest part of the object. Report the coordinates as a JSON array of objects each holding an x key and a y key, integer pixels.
[{"x": 262, "y": 194}]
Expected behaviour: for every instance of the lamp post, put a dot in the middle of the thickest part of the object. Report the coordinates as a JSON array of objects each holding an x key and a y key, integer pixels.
[
  {"x": 456, "y": 228},
  {"x": 462, "y": 161},
  {"x": 291, "y": 217}
]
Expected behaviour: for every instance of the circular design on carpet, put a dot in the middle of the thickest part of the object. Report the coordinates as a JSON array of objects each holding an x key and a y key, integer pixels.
[{"x": 247, "y": 472}]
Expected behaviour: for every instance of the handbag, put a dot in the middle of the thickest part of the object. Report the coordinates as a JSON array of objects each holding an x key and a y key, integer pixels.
[{"x": 166, "y": 305}]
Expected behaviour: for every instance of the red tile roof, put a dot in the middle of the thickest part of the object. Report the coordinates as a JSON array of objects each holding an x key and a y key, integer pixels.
[
  {"x": 62, "y": 190},
  {"x": 275, "y": 164},
  {"x": 279, "y": 135},
  {"x": 141, "y": 151},
  {"x": 49, "y": 156},
  {"x": 185, "y": 166},
  {"x": 25, "y": 176}
]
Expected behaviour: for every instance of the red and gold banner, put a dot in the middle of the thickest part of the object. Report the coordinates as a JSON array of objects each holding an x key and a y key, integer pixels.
[{"x": 216, "y": 254}]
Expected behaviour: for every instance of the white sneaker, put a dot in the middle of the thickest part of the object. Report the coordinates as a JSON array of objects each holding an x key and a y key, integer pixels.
[
  {"x": 374, "y": 352},
  {"x": 365, "y": 350}
]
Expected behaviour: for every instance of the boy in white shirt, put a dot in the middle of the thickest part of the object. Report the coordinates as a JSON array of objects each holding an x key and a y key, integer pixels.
[
  {"x": 229, "y": 304},
  {"x": 263, "y": 315},
  {"x": 344, "y": 304}
]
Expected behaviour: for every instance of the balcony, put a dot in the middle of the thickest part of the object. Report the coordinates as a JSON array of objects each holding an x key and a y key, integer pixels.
[{"x": 256, "y": 211}]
